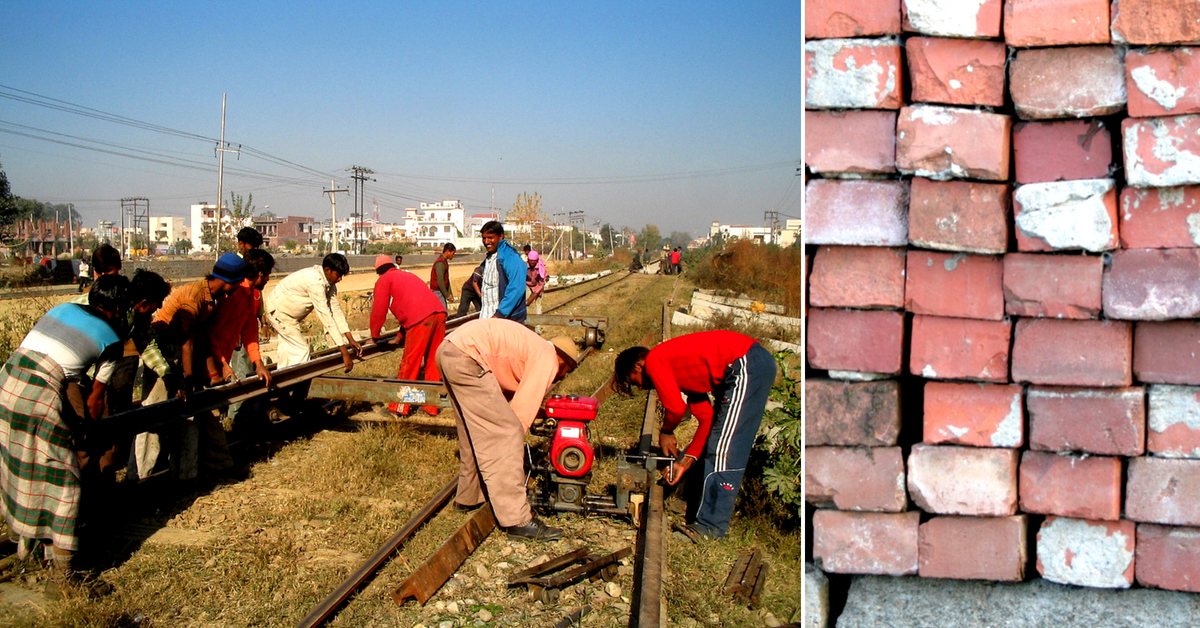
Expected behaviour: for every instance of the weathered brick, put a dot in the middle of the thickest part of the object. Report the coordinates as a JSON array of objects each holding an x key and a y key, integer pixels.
[
  {"x": 953, "y": 19},
  {"x": 851, "y": 413},
  {"x": 870, "y": 341},
  {"x": 1152, "y": 284},
  {"x": 857, "y": 276},
  {"x": 1066, "y": 215},
  {"x": 1174, "y": 421},
  {"x": 1038, "y": 23},
  {"x": 972, "y": 481},
  {"x": 1087, "y": 553},
  {"x": 947, "y": 143},
  {"x": 1163, "y": 490},
  {"x": 866, "y": 542},
  {"x": 959, "y": 348},
  {"x": 1162, "y": 82},
  {"x": 859, "y": 213},
  {"x": 1052, "y": 286},
  {"x": 956, "y": 71},
  {"x": 1155, "y": 21},
  {"x": 1160, "y": 218},
  {"x": 974, "y": 548},
  {"x": 1167, "y": 352},
  {"x": 978, "y": 415},
  {"x": 853, "y": 74},
  {"x": 1161, "y": 152},
  {"x": 954, "y": 284},
  {"x": 960, "y": 215},
  {"x": 1168, "y": 557},
  {"x": 1104, "y": 421},
  {"x": 825, "y": 19},
  {"x": 1072, "y": 82},
  {"x": 1072, "y": 353},
  {"x": 1061, "y": 151},
  {"x": 855, "y": 142},
  {"x": 855, "y": 478},
  {"x": 1083, "y": 487}
]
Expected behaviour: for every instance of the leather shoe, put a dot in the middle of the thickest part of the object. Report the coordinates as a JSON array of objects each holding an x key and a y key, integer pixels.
[
  {"x": 465, "y": 508},
  {"x": 534, "y": 530}
]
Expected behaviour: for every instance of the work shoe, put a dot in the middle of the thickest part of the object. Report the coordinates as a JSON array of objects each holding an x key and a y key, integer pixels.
[
  {"x": 68, "y": 583},
  {"x": 465, "y": 508},
  {"x": 534, "y": 530},
  {"x": 689, "y": 534}
]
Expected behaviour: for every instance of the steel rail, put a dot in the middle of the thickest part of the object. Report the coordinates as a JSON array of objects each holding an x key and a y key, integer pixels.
[{"x": 623, "y": 277}]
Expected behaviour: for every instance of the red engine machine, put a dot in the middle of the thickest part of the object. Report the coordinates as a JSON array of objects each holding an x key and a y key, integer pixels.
[{"x": 564, "y": 467}]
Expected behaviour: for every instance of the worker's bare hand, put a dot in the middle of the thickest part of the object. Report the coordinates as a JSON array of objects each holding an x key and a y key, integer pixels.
[
  {"x": 672, "y": 476},
  {"x": 668, "y": 444},
  {"x": 347, "y": 360},
  {"x": 263, "y": 374}
]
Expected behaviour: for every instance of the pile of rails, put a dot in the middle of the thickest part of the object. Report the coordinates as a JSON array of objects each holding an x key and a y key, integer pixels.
[{"x": 1007, "y": 260}]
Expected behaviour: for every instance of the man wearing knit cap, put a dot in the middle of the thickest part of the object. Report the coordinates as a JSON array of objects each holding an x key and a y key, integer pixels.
[
  {"x": 535, "y": 280},
  {"x": 422, "y": 319},
  {"x": 497, "y": 372},
  {"x": 300, "y": 294}
]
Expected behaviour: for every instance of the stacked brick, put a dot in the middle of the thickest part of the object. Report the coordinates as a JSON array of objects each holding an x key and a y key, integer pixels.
[{"x": 1003, "y": 209}]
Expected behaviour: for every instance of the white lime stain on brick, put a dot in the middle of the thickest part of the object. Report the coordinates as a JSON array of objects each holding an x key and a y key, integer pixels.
[
  {"x": 1008, "y": 432},
  {"x": 1182, "y": 166},
  {"x": 856, "y": 86},
  {"x": 955, "y": 84},
  {"x": 1161, "y": 92},
  {"x": 1173, "y": 405},
  {"x": 1074, "y": 551},
  {"x": 946, "y": 18},
  {"x": 933, "y": 116},
  {"x": 972, "y": 481},
  {"x": 952, "y": 263},
  {"x": 928, "y": 372},
  {"x": 958, "y": 432},
  {"x": 1067, "y": 214}
]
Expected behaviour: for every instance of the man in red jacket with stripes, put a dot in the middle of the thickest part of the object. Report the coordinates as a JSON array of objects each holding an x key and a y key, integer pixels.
[
  {"x": 738, "y": 372},
  {"x": 422, "y": 319}
]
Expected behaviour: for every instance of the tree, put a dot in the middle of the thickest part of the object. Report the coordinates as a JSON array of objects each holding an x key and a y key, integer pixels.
[
  {"x": 608, "y": 237},
  {"x": 182, "y": 246},
  {"x": 649, "y": 239},
  {"x": 680, "y": 239},
  {"x": 239, "y": 213},
  {"x": 291, "y": 245},
  {"x": 527, "y": 210},
  {"x": 8, "y": 204}
]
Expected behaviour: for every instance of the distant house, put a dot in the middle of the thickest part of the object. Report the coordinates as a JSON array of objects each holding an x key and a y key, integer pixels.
[
  {"x": 277, "y": 230},
  {"x": 760, "y": 234}
]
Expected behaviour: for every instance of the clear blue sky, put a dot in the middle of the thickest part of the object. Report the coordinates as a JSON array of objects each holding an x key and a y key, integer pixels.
[{"x": 671, "y": 113}]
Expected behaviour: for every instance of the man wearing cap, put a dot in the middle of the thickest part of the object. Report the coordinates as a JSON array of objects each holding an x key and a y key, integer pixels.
[
  {"x": 497, "y": 373},
  {"x": 422, "y": 319},
  {"x": 439, "y": 275},
  {"x": 300, "y": 294}
]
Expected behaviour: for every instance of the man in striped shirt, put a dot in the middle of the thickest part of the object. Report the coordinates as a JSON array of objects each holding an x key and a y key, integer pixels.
[{"x": 738, "y": 372}]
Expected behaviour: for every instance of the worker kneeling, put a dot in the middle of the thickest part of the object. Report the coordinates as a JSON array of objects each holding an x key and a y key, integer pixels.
[{"x": 497, "y": 372}]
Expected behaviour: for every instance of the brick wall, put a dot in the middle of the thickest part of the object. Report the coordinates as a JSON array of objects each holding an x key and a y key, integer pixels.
[{"x": 1002, "y": 210}]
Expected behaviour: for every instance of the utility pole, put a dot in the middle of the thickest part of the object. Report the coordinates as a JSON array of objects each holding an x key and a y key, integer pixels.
[
  {"x": 577, "y": 217},
  {"x": 555, "y": 216},
  {"x": 220, "y": 150},
  {"x": 332, "y": 192},
  {"x": 71, "y": 228},
  {"x": 360, "y": 180},
  {"x": 772, "y": 219}
]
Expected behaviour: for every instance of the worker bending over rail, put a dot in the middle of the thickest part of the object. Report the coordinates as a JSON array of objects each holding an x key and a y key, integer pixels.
[
  {"x": 422, "y": 318},
  {"x": 738, "y": 372},
  {"x": 497, "y": 372},
  {"x": 300, "y": 294}
]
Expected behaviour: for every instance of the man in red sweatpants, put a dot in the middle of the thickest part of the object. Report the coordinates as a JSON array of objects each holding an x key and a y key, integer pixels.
[{"x": 422, "y": 319}]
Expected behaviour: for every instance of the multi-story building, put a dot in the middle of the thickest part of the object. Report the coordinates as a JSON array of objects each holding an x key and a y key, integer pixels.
[
  {"x": 278, "y": 230},
  {"x": 436, "y": 223},
  {"x": 761, "y": 234},
  {"x": 206, "y": 213},
  {"x": 165, "y": 231}
]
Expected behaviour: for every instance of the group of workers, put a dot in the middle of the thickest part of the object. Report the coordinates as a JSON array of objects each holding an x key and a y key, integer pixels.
[{"x": 79, "y": 363}]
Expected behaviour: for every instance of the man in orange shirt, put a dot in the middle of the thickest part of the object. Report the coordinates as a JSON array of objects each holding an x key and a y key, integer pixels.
[{"x": 497, "y": 372}]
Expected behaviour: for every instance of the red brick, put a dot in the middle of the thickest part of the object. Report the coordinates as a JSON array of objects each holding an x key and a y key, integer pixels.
[
  {"x": 954, "y": 284},
  {"x": 1105, "y": 421},
  {"x": 859, "y": 213},
  {"x": 1162, "y": 82},
  {"x": 860, "y": 142},
  {"x": 1160, "y": 218},
  {"x": 944, "y": 142},
  {"x": 1060, "y": 151},
  {"x": 974, "y": 481},
  {"x": 1155, "y": 21},
  {"x": 1152, "y": 284},
  {"x": 1174, "y": 421},
  {"x": 959, "y": 348},
  {"x": 960, "y": 215},
  {"x": 1161, "y": 152},
  {"x": 1162, "y": 490},
  {"x": 869, "y": 341},
  {"x": 1168, "y": 557},
  {"x": 978, "y": 415},
  {"x": 1087, "y": 553},
  {"x": 855, "y": 478},
  {"x": 853, "y": 74},
  {"x": 1072, "y": 353},
  {"x": 1167, "y": 352},
  {"x": 851, "y": 413},
  {"x": 1066, "y": 215},
  {"x": 956, "y": 71},
  {"x": 825, "y": 19},
  {"x": 1052, "y": 286},
  {"x": 974, "y": 548},
  {"x": 1083, "y": 487},
  {"x": 1038, "y": 23},
  {"x": 866, "y": 542},
  {"x": 857, "y": 276},
  {"x": 1074, "y": 82},
  {"x": 953, "y": 19}
]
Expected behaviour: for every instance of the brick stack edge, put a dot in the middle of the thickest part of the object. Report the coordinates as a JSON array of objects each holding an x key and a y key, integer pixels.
[{"x": 1003, "y": 202}]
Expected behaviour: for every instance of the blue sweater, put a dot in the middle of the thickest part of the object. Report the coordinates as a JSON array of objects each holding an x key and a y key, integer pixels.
[{"x": 512, "y": 283}]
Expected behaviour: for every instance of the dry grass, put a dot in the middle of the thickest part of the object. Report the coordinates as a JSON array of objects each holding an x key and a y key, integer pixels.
[{"x": 768, "y": 273}]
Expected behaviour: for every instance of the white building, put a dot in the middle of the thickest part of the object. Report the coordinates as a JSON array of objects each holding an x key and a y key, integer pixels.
[
  {"x": 790, "y": 232},
  {"x": 165, "y": 231},
  {"x": 761, "y": 234},
  {"x": 206, "y": 213}
]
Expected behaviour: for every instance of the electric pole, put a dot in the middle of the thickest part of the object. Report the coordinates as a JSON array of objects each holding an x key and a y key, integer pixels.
[
  {"x": 772, "y": 219},
  {"x": 360, "y": 178},
  {"x": 220, "y": 150},
  {"x": 332, "y": 192},
  {"x": 577, "y": 217}
]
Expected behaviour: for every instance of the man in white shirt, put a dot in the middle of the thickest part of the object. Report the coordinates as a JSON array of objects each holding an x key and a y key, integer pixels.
[{"x": 301, "y": 293}]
